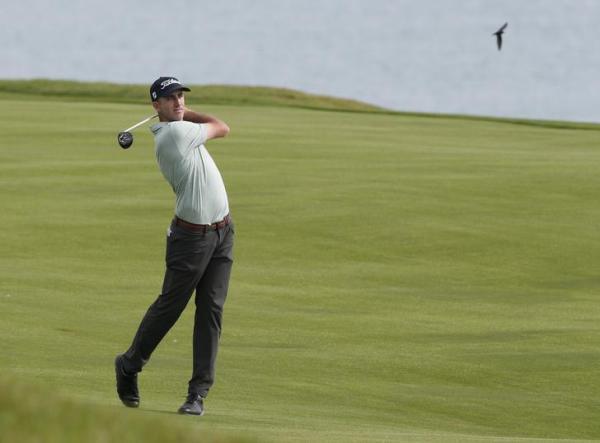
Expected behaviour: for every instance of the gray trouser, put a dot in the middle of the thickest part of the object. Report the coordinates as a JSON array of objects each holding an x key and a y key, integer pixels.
[{"x": 195, "y": 261}]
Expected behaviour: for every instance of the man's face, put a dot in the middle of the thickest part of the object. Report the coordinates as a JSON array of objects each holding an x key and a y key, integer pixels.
[{"x": 170, "y": 108}]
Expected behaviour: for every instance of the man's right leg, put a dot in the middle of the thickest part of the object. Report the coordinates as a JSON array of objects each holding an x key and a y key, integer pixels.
[{"x": 159, "y": 318}]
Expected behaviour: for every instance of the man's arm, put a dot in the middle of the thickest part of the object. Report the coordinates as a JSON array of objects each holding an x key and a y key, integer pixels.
[{"x": 215, "y": 128}]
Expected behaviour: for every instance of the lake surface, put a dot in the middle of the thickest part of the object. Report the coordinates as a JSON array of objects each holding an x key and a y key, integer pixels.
[{"x": 426, "y": 55}]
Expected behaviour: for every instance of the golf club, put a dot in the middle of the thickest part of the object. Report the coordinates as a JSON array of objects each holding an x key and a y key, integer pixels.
[{"x": 125, "y": 138}]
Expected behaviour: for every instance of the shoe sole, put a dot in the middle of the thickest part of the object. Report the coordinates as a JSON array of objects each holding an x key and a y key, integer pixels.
[
  {"x": 130, "y": 404},
  {"x": 186, "y": 412}
]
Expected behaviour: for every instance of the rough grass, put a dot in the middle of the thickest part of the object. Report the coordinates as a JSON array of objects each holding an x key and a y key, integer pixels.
[
  {"x": 31, "y": 413},
  {"x": 397, "y": 278}
]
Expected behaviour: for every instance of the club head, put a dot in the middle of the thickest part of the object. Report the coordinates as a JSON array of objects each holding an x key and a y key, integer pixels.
[{"x": 125, "y": 139}]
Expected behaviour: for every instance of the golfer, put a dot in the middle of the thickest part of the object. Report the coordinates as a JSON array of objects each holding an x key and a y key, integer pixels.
[{"x": 199, "y": 247}]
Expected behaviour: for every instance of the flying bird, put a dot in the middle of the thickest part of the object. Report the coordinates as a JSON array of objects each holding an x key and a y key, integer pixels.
[{"x": 498, "y": 35}]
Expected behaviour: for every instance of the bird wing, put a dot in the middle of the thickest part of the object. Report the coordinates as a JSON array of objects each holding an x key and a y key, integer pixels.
[
  {"x": 503, "y": 27},
  {"x": 499, "y": 41}
]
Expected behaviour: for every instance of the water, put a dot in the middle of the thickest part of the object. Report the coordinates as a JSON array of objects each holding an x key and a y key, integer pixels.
[{"x": 426, "y": 55}]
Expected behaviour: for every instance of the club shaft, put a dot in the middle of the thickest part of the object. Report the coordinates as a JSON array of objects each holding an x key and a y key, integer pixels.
[{"x": 141, "y": 123}]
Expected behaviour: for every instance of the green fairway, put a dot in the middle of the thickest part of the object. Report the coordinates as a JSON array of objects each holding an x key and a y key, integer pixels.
[{"x": 397, "y": 277}]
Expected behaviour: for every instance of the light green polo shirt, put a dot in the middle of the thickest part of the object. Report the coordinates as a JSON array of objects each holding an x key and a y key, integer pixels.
[{"x": 190, "y": 170}]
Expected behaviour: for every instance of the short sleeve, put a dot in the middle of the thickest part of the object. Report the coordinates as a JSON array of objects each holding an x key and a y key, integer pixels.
[
  {"x": 188, "y": 136},
  {"x": 195, "y": 133}
]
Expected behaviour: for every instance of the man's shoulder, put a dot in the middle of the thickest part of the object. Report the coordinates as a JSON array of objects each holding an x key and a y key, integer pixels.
[
  {"x": 174, "y": 126},
  {"x": 177, "y": 139},
  {"x": 182, "y": 129}
]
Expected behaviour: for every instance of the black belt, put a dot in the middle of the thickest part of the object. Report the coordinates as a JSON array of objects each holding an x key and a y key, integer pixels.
[{"x": 202, "y": 228}]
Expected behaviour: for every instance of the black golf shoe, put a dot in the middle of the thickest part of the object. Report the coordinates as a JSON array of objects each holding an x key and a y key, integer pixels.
[
  {"x": 127, "y": 387},
  {"x": 194, "y": 405}
]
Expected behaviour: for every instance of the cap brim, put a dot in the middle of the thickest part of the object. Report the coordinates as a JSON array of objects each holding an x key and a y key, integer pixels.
[{"x": 170, "y": 90}]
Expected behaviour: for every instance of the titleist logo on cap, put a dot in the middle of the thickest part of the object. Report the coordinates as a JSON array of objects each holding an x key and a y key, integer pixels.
[{"x": 168, "y": 82}]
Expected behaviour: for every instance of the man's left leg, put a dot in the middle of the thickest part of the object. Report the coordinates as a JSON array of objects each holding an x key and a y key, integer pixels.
[{"x": 211, "y": 294}]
